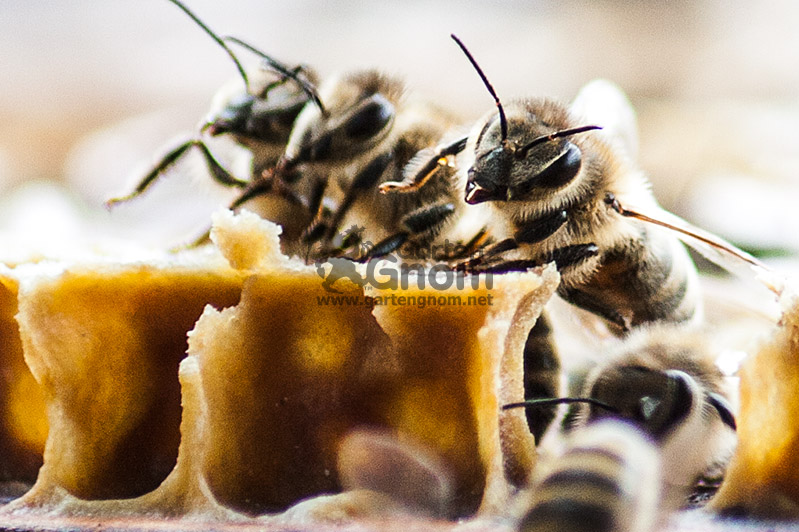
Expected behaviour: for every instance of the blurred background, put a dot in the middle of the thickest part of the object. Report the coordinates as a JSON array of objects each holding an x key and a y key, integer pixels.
[{"x": 92, "y": 92}]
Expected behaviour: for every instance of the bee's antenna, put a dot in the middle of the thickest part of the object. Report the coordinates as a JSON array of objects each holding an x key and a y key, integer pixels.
[
  {"x": 550, "y": 401},
  {"x": 521, "y": 153},
  {"x": 503, "y": 122},
  {"x": 306, "y": 85},
  {"x": 218, "y": 40}
]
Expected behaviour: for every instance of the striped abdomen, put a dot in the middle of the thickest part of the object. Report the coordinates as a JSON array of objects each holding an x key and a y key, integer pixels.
[
  {"x": 648, "y": 279},
  {"x": 607, "y": 481}
]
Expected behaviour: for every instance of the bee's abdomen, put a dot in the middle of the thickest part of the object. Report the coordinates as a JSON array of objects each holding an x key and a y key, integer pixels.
[
  {"x": 607, "y": 481},
  {"x": 674, "y": 292},
  {"x": 651, "y": 279}
]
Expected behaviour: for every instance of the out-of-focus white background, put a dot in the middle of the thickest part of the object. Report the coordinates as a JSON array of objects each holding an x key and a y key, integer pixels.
[{"x": 91, "y": 89}]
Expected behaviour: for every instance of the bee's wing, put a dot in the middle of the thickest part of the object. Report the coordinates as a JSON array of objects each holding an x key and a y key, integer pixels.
[
  {"x": 408, "y": 472},
  {"x": 603, "y": 103},
  {"x": 711, "y": 246}
]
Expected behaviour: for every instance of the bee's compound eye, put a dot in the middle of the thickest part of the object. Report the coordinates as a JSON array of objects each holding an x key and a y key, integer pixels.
[
  {"x": 562, "y": 170},
  {"x": 370, "y": 119}
]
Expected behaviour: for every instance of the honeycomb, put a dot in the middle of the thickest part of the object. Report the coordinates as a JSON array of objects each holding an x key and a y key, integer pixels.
[{"x": 220, "y": 384}]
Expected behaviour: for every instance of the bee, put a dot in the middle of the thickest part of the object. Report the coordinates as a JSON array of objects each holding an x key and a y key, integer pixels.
[
  {"x": 368, "y": 131},
  {"x": 664, "y": 380},
  {"x": 607, "y": 480},
  {"x": 257, "y": 116},
  {"x": 546, "y": 173}
]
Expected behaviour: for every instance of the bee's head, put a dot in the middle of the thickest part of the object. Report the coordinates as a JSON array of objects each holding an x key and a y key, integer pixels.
[
  {"x": 535, "y": 158},
  {"x": 361, "y": 108},
  {"x": 520, "y": 154},
  {"x": 658, "y": 401},
  {"x": 256, "y": 118},
  {"x": 266, "y": 110}
]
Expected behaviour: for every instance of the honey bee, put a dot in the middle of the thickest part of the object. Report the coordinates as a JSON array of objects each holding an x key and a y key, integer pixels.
[
  {"x": 664, "y": 380},
  {"x": 368, "y": 131},
  {"x": 257, "y": 116},
  {"x": 546, "y": 172},
  {"x": 607, "y": 480}
]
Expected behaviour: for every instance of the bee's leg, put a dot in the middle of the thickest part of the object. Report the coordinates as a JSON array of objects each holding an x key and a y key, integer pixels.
[
  {"x": 508, "y": 266},
  {"x": 200, "y": 240},
  {"x": 388, "y": 245},
  {"x": 315, "y": 231},
  {"x": 257, "y": 188},
  {"x": 165, "y": 162},
  {"x": 268, "y": 185},
  {"x": 425, "y": 222},
  {"x": 571, "y": 255},
  {"x": 562, "y": 257},
  {"x": 486, "y": 254},
  {"x": 541, "y": 376},
  {"x": 351, "y": 240},
  {"x": 318, "y": 227},
  {"x": 532, "y": 233},
  {"x": 428, "y": 219},
  {"x": 472, "y": 246},
  {"x": 317, "y": 197},
  {"x": 218, "y": 172},
  {"x": 419, "y": 171},
  {"x": 587, "y": 301},
  {"x": 348, "y": 246},
  {"x": 542, "y": 228},
  {"x": 281, "y": 189},
  {"x": 423, "y": 226},
  {"x": 366, "y": 179}
]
